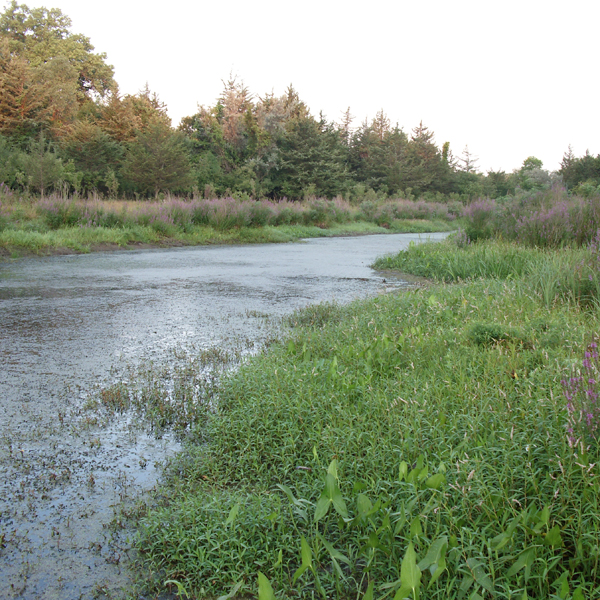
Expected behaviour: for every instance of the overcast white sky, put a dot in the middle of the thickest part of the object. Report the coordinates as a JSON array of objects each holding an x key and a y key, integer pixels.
[{"x": 510, "y": 79}]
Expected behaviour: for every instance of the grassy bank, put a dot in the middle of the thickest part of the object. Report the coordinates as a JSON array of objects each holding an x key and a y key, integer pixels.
[
  {"x": 58, "y": 224},
  {"x": 418, "y": 443}
]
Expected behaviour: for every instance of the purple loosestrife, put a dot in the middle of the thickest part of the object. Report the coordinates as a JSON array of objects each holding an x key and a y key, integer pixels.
[{"x": 581, "y": 393}]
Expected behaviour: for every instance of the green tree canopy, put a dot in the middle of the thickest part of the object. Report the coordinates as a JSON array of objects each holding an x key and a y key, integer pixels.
[
  {"x": 310, "y": 160},
  {"x": 40, "y": 34},
  {"x": 156, "y": 161}
]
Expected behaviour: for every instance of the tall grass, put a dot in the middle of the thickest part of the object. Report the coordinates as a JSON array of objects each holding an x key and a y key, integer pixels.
[
  {"x": 571, "y": 275},
  {"x": 546, "y": 219},
  {"x": 57, "y": 221},
  {"x": 228, "y": 213}
]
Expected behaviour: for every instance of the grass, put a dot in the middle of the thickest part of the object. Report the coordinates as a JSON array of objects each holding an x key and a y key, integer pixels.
[
  {"x": 84, "y": 239},
  {"x": 56, "y": 223},
  {"x": 409, "y": 445}
]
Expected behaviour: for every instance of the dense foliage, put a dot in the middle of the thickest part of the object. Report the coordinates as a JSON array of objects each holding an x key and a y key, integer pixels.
[
  {"x": 440, "y": 443},
  {"x": 64, "y": 125}
]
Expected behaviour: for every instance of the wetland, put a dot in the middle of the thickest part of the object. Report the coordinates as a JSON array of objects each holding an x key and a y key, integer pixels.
[{"x": 73, "y": 325}]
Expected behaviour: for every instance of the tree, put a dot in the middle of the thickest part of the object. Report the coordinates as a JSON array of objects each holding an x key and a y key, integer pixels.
[
  {"x": 310, "y": 158},
  {"x": 124, "y": 117},
  {"x": 21, "y": 101},
  {"x": 156, "y": 161},
  {"x": 498, "y": 184},
  {"x": 467, "y": 161},
  {"x": 39, "y": 35},
  {"x": 235, "y": 117},
  {"x": 425, "y": 169},
  {"x": 56, "y": 82},
  {"x": 41, "y": 166},
  {"x": 8, "y": 158},
  {"x": 531, "y": 176},
  {"x": 576, "y": 171},
  {"x": 94, "y": 154},
  {"x": 346, "y": 126}
]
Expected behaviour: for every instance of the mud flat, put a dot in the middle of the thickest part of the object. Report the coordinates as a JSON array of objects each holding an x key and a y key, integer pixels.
[{"x": 70, "y": 324}]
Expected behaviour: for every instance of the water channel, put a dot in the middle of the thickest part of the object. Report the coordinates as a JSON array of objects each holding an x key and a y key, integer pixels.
[{"x": 68, "y": 324}]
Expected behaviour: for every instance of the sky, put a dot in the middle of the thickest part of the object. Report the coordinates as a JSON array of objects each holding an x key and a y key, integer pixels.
[{"x": 509, "y": 79}]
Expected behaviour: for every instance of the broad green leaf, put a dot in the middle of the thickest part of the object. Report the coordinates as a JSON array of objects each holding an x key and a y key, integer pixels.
[
  {"x": 330, "y": 485},
  {"x": 333, "y": 369},
  {"x": 363, "y": 504},
  {"x": 322, "y": 507},
  {"x": 332, "y": 468},
  {"x": 436, "y": 551},
  {"x": 412, "y": 476},
  {"x": 503, "y": 538},
  {"x": 306, "y": 555},
  {"x": 403, "y": 471},
  {"x": 400, "y": 522},
  {"x": 465, "y": 584},
  {"x": 402, "y": 593},
  {"x": 265, "y": 591},
  {"x": 305, "y": 552},
  {"x": 333, "y": 552},
  {"x": 359, "y": 486},
  {"x": 279, "y": 559},
  {"x": 563, "y": 585},
  {"x": 339, "y": 504},
  {"x": 233, "y": 513},
  {"x": 410, "y": 574},
  {"x": 525, "y": 559},
  {"x": 441, "y": 567},
  {"x": 475, "y": 596},
  {"x": 415, "y": 527},
  {"x": 481, "y": 577},
  {"x": 369, "y": 593},
  {"x": 233, "y": 591},
  {"x": 578, "y": 594},
  {"x": 435, "y": 481},
  {"x": 286, "y": 490},
  {"x": 553, "y": 538}
]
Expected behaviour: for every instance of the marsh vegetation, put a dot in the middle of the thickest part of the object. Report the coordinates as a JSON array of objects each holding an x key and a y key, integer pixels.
[{"x": 437, "y": 443}]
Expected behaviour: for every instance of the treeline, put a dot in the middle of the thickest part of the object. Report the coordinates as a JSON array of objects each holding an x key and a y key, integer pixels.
[{"x": 65, "y": 126}]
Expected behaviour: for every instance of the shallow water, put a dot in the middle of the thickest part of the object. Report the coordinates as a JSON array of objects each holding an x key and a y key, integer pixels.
[{"x": 68, "y": 323}]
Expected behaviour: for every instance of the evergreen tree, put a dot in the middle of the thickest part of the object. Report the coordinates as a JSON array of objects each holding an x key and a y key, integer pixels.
[
  {"x": 310, "y": 159},
  {"x": 41, "y": 167},
  {"x": 95, "y": 155},
  {"x": 156, "y": 161}
]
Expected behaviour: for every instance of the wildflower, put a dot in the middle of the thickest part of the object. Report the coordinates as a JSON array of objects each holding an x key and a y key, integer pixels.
[{"x": 583, "y": 411}]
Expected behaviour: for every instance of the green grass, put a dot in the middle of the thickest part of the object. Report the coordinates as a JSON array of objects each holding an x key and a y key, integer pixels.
[
  {"x": 409, "y": 444},
  {"x": 35, "y": 237},
  {"x": 569, "y": 274}
]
